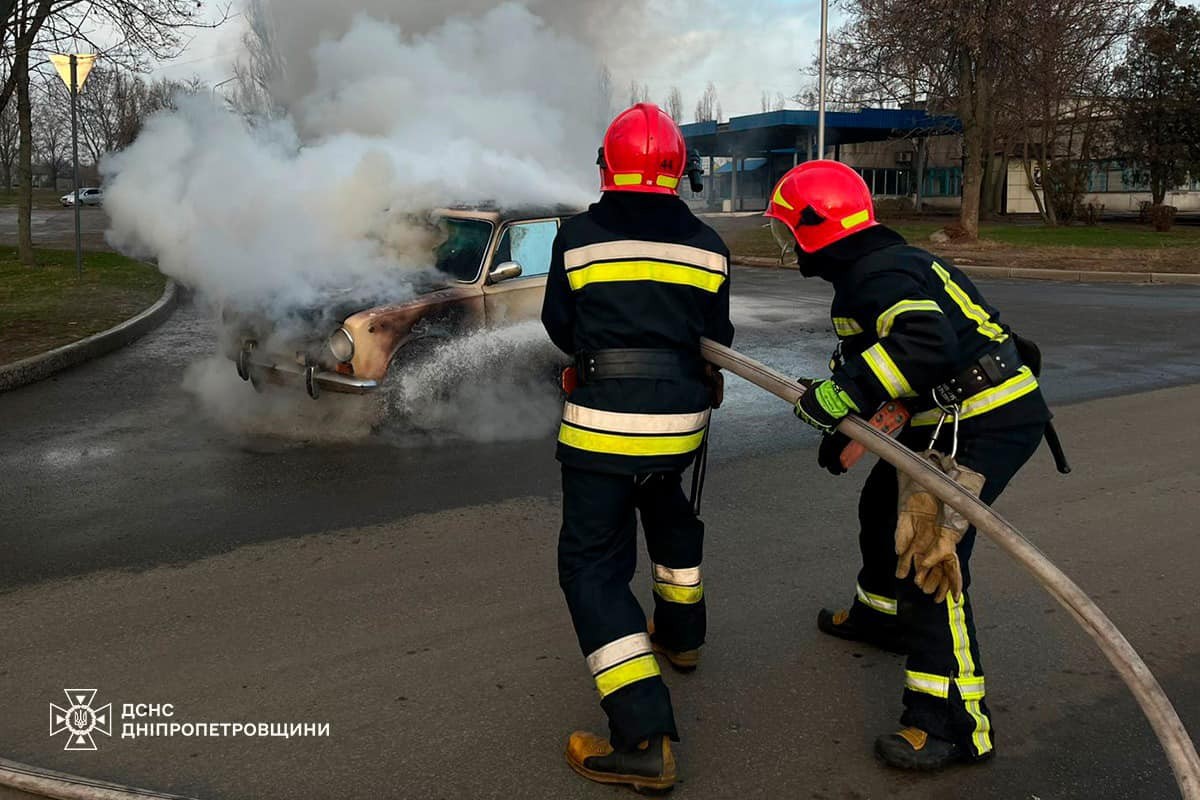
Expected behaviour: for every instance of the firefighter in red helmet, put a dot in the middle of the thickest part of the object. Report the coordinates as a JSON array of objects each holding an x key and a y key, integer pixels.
[
  {"x": 912, "y": 328},
  {"x": 634, "y": 283}
]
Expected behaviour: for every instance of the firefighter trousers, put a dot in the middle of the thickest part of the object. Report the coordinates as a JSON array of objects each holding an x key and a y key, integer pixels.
[
  {"x": 597, "y": 556},
  {"x": 944, "y": 684}
]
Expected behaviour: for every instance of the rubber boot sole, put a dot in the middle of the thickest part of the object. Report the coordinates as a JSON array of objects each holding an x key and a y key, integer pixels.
[
  {"x": 910, "y": 761},
  {"x": 639, "y": 783}
]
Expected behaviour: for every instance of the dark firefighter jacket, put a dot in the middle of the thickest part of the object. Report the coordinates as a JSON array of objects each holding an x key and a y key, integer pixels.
[
  {"x": 636, "y": 271},
  {"x": 908, "y": 321}
]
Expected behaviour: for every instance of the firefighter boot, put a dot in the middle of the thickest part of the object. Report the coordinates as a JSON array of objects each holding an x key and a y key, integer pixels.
[
  {"x": 681, "y": 660},
  {"x": 843, "y": 625},
  {"x": 651, "y": 767},
  {"x": 914, "y": 749}
]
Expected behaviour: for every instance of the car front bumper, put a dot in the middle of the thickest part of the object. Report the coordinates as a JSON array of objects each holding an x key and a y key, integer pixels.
[{"x": 256, "y": 368}]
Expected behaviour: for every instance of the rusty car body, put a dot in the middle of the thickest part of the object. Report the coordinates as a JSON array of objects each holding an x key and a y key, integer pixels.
[{"x": 490, "y": 270}]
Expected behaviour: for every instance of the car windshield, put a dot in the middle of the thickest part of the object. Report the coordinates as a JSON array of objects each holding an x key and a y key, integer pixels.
[{"x": 460, "y": 254}]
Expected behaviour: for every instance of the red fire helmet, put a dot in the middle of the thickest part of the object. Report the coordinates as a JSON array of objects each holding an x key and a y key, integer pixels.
[
  {"x": 643, "y": 151},
  {"x": 821, "y": 202}
]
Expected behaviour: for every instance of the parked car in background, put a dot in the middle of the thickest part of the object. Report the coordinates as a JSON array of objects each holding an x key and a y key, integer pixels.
[
  {"x": 489, "y": 268},
  {"x": 88, "y": 196}
]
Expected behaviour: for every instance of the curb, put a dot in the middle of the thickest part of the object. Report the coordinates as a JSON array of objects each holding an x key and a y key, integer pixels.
[
  {"x": 1021, "y": 273},
  {"x": 36, "y": 368},
  {"x": 38, "y": 782}
]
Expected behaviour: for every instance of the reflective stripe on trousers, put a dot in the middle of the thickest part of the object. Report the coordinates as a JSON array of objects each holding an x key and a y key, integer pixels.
[
  {"x": 618, "y": 664},
  {"x": 678, "y": 585}
]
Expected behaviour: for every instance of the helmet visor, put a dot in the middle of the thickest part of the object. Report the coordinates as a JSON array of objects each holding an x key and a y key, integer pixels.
[{"x": 783, "y": 234}]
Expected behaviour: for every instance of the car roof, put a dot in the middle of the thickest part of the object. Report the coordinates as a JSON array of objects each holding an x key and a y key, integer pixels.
[{"x": 494, "y": 214}]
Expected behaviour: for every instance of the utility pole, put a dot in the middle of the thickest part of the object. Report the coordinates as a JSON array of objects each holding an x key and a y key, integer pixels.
[
  {"x": 74, "y": 69},
  {"x": 821, "y": 89},
  {"x": 75, "y": 158}
]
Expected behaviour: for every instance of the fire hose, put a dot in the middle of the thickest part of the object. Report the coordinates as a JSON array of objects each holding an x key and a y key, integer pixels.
[{"x": 1163, "y": 719}]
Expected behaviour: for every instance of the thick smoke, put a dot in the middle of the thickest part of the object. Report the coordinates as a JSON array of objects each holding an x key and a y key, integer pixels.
[
  {"x": 384, "y": 111},
  {"x": 496, "y": 107}
]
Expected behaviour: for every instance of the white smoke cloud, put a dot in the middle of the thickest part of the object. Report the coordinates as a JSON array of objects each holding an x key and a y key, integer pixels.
[
  {"x": 390, "y": 112},
  {"x": 498, "y": 107}
]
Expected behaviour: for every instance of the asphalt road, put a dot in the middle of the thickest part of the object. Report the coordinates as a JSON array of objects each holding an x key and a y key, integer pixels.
[{"x": 166, "y": 545}]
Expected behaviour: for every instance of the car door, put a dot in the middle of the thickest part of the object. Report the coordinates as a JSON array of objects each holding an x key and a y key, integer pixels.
[{"x": 528, "y": 243}]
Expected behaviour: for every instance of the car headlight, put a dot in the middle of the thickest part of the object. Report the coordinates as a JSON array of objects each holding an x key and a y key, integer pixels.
[{"x": 341, "y": 344}]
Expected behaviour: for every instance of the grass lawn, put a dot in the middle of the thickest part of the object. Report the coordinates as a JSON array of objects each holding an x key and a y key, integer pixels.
[
  {"x": 42, "y": 198},
  {"x": 45, "y": 307},
  {"x": 1126, "y": 247}
]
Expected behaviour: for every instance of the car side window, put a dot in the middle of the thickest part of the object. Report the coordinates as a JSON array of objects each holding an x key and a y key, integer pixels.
[{"x": 528, "y": 244}]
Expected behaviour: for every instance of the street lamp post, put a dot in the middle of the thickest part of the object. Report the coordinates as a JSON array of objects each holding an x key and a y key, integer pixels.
[
  {"x": 821, "y": 80},
  {"x": 74, "y": 69}
]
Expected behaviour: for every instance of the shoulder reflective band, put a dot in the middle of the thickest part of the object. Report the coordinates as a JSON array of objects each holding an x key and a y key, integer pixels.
[
  {"x": 883, "y": 325},
  {"x": 624, "y": 434},
  {"x": 886, "y": 372},
  {"x": 845, "y": 326},
  {"x": 969, "y": 307},
  {"x": 633, "y": 260},
  {"x": 678, "y": 585},
  {"x": 884, "y": 605},
  {"x": 981, "y": 737},
  {"x": 1012, "y": 389}
]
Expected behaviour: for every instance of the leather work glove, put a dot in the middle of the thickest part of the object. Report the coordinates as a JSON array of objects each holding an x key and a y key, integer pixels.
[
  {"x": 916, "y": 520},
  {"x": 824, "y": 405},
  {"x": 715, "y": 381},
  {"x": 938, "y": 569},
  {"x": 829, "y": 455}
]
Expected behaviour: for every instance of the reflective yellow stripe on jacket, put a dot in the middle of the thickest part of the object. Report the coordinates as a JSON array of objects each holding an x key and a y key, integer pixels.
[
  {"x": 886, "y": 372},
  {"x": 617, "y": 433},
  {"x": 846, "y": 326},
  {"x": 634, "y": 260},
  {"x": 972, "y": 310},
  {"x": 883, "y": 325},
  {"x": 1012, "y": 389}
]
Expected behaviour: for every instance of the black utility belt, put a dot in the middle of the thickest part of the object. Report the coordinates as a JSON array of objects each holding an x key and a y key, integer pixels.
[
  {"x": 989, "y": 371},
  {"x": 649, "y": 363}
]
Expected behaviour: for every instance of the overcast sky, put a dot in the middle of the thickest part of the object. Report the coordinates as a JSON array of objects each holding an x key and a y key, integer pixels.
[{"x": 744, "y": 47}]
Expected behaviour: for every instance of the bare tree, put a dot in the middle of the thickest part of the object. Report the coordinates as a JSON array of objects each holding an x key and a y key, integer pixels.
[
  {"x": 263, "y": 68},
  {"x": 129, "y": 33},
  {"x": 708, "y": 107},
  {"x": 52, "y": 128},
  {"x": 674, "y": 104},
  {"x": 772, "y": 103},
  {"x": 1067, "y": 55},
  {"x": 9, "y": 134},
  {"x": 638, "y": 93},
  {"x": 951, "y": 54}
]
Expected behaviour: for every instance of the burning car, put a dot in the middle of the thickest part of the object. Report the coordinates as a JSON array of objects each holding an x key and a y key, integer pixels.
[{"x": 488, "y": 269}]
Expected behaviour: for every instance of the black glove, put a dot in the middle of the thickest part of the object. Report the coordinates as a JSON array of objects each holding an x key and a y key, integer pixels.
[{"x": 829, "y": 454}]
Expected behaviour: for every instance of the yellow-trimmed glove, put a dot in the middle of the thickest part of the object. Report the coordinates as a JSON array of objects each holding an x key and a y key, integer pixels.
[{"x": 824, "y": 405}]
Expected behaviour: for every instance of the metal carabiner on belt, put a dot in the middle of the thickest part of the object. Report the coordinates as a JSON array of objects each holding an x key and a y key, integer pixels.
[{"x": 951, "y": 410}]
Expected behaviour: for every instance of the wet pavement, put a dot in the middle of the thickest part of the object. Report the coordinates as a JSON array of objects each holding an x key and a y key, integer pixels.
[{"x": 399, "y": 581}]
